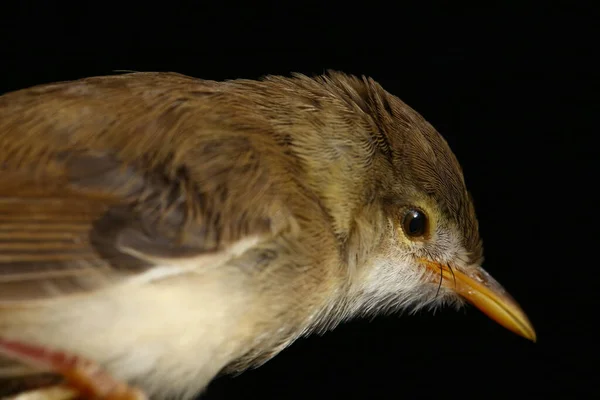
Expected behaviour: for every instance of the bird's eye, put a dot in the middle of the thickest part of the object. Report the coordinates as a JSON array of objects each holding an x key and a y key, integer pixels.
[{"x": 415, "y": 223}]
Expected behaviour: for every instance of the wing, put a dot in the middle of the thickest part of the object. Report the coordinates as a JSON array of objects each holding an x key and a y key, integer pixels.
[
  {"x": 101, "y": 181},
  {"x": 89, "y": 223}
]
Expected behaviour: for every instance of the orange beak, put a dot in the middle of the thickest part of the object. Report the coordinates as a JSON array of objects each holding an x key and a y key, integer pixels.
[{"x": 481, "y": 290}]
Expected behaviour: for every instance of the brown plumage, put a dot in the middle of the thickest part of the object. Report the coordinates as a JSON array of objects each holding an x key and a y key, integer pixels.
[{"x": 252, "y": 211}]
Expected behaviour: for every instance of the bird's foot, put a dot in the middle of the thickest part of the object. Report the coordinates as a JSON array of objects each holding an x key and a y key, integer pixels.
[{"x": 83, "y": 379}]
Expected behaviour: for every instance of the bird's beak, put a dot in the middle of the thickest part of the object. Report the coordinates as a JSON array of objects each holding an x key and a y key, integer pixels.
[{"x": 481, "y": 290}]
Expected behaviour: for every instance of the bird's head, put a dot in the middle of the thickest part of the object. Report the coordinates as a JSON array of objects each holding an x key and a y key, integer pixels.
[{"x": 414, "y": 241}]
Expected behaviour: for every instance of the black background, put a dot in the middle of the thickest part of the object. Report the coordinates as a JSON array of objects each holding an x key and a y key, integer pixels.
[{"x": 513, "y": 88}]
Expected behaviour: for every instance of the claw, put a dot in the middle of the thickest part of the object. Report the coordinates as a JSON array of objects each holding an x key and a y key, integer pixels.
[{"x": 84, "y": 379}]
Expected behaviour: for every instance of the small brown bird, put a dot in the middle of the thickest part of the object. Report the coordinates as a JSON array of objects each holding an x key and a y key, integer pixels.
[{"x": 156, "y": 229}]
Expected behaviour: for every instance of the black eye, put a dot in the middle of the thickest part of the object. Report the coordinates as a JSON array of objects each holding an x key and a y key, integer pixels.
[{"x": 415, "y": 223}]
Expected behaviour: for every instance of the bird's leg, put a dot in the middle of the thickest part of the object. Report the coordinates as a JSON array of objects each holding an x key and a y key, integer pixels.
[{"x": 83, "y": 379}]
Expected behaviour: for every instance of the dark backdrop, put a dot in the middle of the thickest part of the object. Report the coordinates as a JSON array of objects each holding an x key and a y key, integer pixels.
[{"x": 514, "y": 89}]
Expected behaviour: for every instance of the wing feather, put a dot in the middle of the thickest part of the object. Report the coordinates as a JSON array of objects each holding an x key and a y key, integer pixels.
[{"x": 105, "y": 178}]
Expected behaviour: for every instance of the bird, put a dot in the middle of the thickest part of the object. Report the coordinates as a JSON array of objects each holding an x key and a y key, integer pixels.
[{"x": 157, "y": 230}]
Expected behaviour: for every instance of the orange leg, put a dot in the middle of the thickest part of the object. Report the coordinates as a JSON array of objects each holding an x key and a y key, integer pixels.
[{"x": 84, "y": 379}]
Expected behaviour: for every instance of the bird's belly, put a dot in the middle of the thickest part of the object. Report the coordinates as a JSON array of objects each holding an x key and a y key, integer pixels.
[{"x": 171, "y": 337}]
